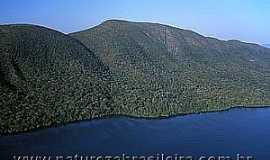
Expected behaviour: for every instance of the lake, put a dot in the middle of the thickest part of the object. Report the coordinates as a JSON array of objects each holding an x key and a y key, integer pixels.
[{"x": 235, "y": 133}]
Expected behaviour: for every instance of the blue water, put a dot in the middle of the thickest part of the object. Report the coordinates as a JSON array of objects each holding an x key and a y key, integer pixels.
[{"x": 238, "y": 131}]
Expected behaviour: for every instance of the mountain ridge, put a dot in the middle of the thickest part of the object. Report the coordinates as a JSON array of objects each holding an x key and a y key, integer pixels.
[
  {"x": 168, "y": 25},
  {"x": 123, "y": 68},
  {"x": 169, "y": 70},
  {"x": 266, "y": 45},
  {"x": 47, "y": 78}
]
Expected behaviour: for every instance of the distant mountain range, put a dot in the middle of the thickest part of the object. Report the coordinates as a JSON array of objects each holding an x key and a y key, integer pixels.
[
  {"x": 121, "y": 67},
  {"x": 266, "y": 45}
]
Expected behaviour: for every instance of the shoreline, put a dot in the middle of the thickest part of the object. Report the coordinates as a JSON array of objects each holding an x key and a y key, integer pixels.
[{"x": 226, "y": 109}]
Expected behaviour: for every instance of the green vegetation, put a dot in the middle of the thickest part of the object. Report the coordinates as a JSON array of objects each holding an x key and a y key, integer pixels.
[
  {"x": 120, "y": 67},
  {"x": 162, "y": 70},
  {"x": 48, "y": 78}
]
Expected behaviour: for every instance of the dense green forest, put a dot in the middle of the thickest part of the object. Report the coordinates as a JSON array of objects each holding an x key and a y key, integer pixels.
[
  {"x": 48, "y": 78},
  {"x": 163, "y": 70},
  {"x": 120, "y": 67}
]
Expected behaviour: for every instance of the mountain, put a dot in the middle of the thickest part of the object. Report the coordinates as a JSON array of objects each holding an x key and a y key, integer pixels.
[
  {"x": 163, "y": 70},
  {"x": 123, "y": 68},
  {"x": 266, "y": 45},
  {"x": 47, "y": 78}
]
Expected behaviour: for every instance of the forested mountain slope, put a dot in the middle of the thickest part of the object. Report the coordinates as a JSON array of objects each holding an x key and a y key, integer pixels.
[
  {"x": 47, "y": 77},
  {"x": 121, "y": 67},
  {"x": 161, "y": 70}
]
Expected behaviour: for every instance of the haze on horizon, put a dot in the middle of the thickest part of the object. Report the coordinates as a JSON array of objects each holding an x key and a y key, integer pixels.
[{"x": 226, "y": 19}]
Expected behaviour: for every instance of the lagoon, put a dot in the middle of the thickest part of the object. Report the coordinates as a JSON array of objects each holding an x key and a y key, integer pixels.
[{"x": 236, "y": 132}]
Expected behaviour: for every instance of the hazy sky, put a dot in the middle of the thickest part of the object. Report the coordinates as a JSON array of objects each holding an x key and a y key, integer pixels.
[{"x": 246, "y": 20}]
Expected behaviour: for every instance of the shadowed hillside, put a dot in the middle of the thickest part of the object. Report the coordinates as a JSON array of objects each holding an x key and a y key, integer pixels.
[
  {"x": 161, "y": 70},
  {"x": 47, "y": 78}
]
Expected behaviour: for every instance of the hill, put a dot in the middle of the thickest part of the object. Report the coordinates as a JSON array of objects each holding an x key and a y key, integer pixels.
[
  {"x": 123, "y": 68},
  {"x": 163, "y": 70},
  {"x": 47, "y": 78}
]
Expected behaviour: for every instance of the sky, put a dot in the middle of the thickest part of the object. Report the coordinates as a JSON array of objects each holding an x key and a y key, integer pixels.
[{"x": 245, "y": 20}]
